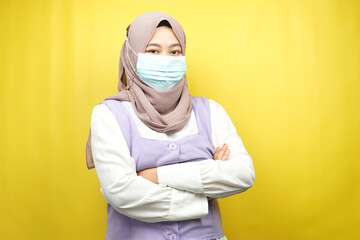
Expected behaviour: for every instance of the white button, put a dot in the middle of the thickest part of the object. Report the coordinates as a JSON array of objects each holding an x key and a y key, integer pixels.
[
  {"x": 172, "y": 236},
  {"x": 172, "y": 146}
]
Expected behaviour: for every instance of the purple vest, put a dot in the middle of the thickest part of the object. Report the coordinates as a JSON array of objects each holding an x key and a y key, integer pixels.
[{"x": 149, "y": 153}]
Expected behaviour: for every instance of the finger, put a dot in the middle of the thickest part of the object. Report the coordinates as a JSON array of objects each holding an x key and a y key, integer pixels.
[
  {"x": 216, "y": 153},
  {"x": 226, "y": 155},
  {"x": 222, "y": 151}
]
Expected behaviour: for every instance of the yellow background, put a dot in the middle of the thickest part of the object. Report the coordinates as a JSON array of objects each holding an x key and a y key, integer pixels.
[{"x": 287, "y": 73}]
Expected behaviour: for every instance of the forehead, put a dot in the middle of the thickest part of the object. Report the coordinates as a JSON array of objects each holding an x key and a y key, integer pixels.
[{"x": 164, "y": 35}]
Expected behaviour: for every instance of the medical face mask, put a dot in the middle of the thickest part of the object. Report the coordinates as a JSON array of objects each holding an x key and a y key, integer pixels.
[{"x": 159, "y": 72}]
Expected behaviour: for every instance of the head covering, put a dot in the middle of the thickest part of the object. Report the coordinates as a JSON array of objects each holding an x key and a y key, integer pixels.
[{"x": 163, "y": 111}]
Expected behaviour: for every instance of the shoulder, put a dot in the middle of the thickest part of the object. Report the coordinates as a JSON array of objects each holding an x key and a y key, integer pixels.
[
  {"x": 105, "y": 109},
  {"x": 216, "y": 111},
  {"x": 216, "y": 108},
  {"x": 100, "y": 112},
  {"x": 111, "y": 105},
  {"x": 211, "y": 102}
]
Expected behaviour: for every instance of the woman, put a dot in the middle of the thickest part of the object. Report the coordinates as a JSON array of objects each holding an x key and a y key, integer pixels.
[{"x": 155, "y": 147}]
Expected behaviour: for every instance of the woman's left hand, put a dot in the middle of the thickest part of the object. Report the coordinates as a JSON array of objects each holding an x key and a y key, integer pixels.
[
  {"x": 149, "y": 174},
  {"x": 222, "y": 153}
]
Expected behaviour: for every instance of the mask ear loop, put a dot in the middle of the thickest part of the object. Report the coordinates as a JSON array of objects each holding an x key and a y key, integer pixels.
[{"x": 127, "y": 55}]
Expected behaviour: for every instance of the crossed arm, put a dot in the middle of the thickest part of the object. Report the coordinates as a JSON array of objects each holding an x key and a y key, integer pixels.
[
  {"x": 183, "y": 189},
  {"x": 150, "y": 174}
]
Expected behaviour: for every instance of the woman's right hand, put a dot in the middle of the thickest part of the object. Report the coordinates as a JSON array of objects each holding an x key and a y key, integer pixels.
[{"x": 222, "y": 153}]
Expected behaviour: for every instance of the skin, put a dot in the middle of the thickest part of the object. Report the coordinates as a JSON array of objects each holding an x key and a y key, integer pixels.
[{"x": 164, "y": 42}]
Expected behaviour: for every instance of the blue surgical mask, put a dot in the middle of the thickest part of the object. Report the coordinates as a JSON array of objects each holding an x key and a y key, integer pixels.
[{"x": 158, "y": 71}]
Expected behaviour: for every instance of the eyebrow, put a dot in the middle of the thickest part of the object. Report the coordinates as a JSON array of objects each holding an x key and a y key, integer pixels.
[{"x": 158, "y": 45}]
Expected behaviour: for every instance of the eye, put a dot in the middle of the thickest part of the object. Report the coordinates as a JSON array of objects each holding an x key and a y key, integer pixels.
[
  {"x": 175, "y": 52},
  {"x": 151, "y": 51}
]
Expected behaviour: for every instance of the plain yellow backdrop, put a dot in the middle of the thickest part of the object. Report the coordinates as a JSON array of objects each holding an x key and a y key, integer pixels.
[{"x": 287, "y": 73}]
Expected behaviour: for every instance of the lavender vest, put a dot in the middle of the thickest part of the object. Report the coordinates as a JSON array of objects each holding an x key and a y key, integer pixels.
[{"x": 149, "y": 153}]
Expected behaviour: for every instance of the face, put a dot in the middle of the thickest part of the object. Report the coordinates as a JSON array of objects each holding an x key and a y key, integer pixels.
[{"x": 164, "y": 42}]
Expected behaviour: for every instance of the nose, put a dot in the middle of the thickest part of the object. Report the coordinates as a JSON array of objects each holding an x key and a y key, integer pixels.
[{"x": 165, "y": 53}]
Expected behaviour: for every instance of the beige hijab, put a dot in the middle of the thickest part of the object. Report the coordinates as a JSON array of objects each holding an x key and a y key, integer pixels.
[{"x": 161, "y": 111}]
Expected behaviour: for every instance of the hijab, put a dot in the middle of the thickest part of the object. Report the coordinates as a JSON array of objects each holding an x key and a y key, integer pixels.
[{"x": 163, "y": 111}]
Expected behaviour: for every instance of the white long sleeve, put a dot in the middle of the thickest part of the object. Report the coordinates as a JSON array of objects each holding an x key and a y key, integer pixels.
[
  {"x": 128, "y": 193},
  {"x": 216, "y": 179}
]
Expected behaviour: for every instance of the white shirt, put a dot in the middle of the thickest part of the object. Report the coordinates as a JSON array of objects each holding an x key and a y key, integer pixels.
[{"x": 183, "y": 188}]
